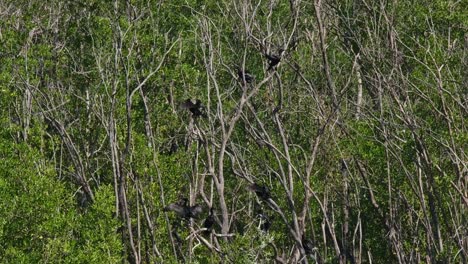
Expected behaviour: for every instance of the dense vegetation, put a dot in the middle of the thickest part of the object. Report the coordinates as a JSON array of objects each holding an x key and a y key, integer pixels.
[{"x": 329, "y": 131}]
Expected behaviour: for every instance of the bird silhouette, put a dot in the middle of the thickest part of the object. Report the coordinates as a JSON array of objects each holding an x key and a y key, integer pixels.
[
  {"x": 209, "y": 222},
  {"x": 183, "y": 210},
  {"x": 273, "y": 59},
  {"x": 197, "y": 109},
  {"x": 261, "y": 191},
  {"x": 265, "y": 223},
  {"x": 344, "y": 167},
  {"x": 244, "y": 76},
  {"x": 180, "y": 207},
  {"x": 195, "y": 211}
]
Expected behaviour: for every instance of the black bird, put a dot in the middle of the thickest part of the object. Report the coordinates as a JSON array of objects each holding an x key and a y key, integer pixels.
[
  {"x": 209, "y": 222},
  {"x": 261, "y": 191},
  {"x": 273, "y": 59},
  {"x": 265, "y": 226},
  {"x": 180, "y": 207},
  {"x": 244, "y": 75},
  {"x": 195, "y": 210},
  {"x": 266, "y": 223},
  {"x": 174, "y": 147},
  {"x": 344, "y": 167},
  {"x": 183, "y": 210},
  {"x": 197, "y": 109}
]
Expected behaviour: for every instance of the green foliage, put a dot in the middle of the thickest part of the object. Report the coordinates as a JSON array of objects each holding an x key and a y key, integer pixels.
[{"x": 39, "y": 220}]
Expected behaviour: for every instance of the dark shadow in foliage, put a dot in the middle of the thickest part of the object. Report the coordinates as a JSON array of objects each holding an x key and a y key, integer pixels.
[
  {"x": 179, "y": 242},
  {"x": 177, "y": 237},
  {"x": 307, "y": 244},
  {"x": 310, "y": 249},
  {"x": 83, "y": 200},
  {"x": 239, "y": 227},
  {"x": 344, "y": 250}
]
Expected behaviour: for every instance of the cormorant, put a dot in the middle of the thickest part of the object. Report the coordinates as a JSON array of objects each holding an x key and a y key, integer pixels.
[
  {"x": 244, "y": 75},
  {"x": 209, "y": 222},
  {"x": 197, "y": 109},
  {"x": 344, "y": 167},
  {"x": 195, "y": 211},
  {"x": 180, "y": 207},
  {"x": 183, "y": 210},
  {"x": 273, "y": 59},
  {"x": 261, "y": 191},
  {"x": 266, "y": 223}
]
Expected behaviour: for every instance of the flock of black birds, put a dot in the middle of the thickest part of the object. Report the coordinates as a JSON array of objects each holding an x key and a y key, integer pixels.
[
  {"x": 186, "y": 212},
  {"x": 198, "y": 109},
  {"x": 182, "y": 207}
]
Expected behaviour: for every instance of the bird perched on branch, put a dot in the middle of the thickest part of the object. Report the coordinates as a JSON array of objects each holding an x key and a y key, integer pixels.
[
  {"x": 273, "y": 59},
  {"x": 344, "y": 167},
  {"x": 182, "y": 209},
  {"x": 244, "y": 76},
  {"x": 261, "y": 191},
  {"x": 209, "y": 222},
  {"x": 197, "y": 109},
  {"x": 265, "y": 222}
]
